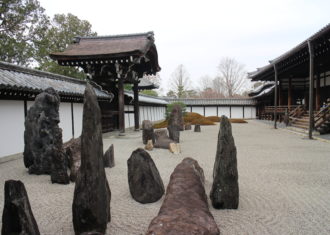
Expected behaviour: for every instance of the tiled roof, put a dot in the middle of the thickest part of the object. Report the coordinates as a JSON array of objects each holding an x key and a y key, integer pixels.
[
  {"x": 222, "y": 101},
  {"x": 147, "y": 98},
  {"x": 18, "y": 78}
]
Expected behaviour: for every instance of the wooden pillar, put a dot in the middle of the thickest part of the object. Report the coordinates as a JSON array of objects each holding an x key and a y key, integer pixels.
[
  {"x": 311, "y": 89},
  {"x": 290, "y": 93},
  {"x": 280, "y": 93},
  {"x": 121, "y": 104},
  {"x": 136, "y": 107},
  {"x": 317, "y": 95},
  {"x": 72, "y": 119},
  {"x": 275, "y": 98}
]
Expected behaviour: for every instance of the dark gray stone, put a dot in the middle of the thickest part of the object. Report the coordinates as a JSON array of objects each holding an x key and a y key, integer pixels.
[
  {"x": 147, "y": 132},
  {"x": 163, "y": 143},
  {"x": 175, "y": 122},
  {"x": 187, "y": 127},
  {"x": 17, "y": 217},
  {"x": 72, "y": 149},
  {"x": 197, "y": 128},
  {"x": 109, "y": 157},
  {"x": 43, "y": 150},
  {"x": 160, "y": 133},
  {"x": 91, "y": 201},
  {"x": 185, "y": 209},
  {"x": 225, "y": 193},
  {"x": 144, "y": 180}
]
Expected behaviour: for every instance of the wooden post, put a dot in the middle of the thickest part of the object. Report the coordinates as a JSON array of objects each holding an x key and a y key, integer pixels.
[
  {"x": 275, "y": 98},
  {"x": 311, "y": 89},
  {"x": 280, "y": 93},
  {"x": 317, "y": 95},
  {"x": 290, "y": 94},
  {"x": 136, "y": 107},
  {"x": 121, "y": 104}
]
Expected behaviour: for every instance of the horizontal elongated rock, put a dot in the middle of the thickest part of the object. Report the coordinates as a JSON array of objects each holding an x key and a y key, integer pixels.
[
  {"x": 109, "y": 157},
  {"x": 72, "y": 149},
  {"x": 91, "y": 201},
  {"x": 147, "y": 132},
  {"x": 145, "y": 183},
  {"x": 17, "y": 217},
  {"x": 160, "y": 133},
  {"x": 185, "y": 209},
  {"x": 225, "y": 192}
]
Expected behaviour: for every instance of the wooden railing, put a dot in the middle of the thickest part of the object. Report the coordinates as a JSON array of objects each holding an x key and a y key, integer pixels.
[
  {"x": 297, "y": 112},
  {"x": 281, "y": 109},
  {"x": 322, "y": 116}
]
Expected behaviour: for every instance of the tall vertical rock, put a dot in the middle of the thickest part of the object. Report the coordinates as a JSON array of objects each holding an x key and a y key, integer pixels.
[
  {"x": 145, "y": 183},
  {"x": 225, "y": 193},
  {"x": 185, "y": 209},
  {"x": 91, "y": 201},
  {"x": 72, "y": 149},
  {"x": 109, "y": 157},
  {"x": 17, "y": 217},
  {"x": 175, "y": 122},
  {"x": 43, "y": 149},
  {"x": 147, "y": 132}
]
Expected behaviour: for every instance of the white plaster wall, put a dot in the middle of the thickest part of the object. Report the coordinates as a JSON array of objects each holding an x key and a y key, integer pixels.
[
  {"x": 249, "y": 112},
  {"x": 210, "y": 111},
  {"x": 198, "y": 109},
  {"x": 78, "y": 116},
  {"x": 224, "y": 111},
  {"x": 65, "y": 121},
  {"x": 11, "y": 127},
  {"x": 237, "y": 112}
]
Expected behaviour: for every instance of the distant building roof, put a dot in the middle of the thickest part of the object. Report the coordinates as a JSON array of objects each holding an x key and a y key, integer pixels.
[
  {"x": 107, "y": 49},
  {"x": 296, "y": 56},
  {"x": 30, "y": 81},
  {"x": 147, "y": 98},
  {"x": 210, "y": 102},
  {"x": 145, "y": 84}
]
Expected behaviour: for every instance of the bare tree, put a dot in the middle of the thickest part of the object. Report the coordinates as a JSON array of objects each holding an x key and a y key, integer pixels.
[
  {"x": 232, "y": 77},
  {"x": 209, "y": 88},
  {"x": 180, "y": 82}
]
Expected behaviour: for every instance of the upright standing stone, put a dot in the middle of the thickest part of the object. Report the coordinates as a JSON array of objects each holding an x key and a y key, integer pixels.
[
  {"x": 43, "y": 149},
  {"x": 175, "y": 123},
  {"x": 197, "y": 128},
  {"x": 91, "y": 201},
  {"x": 17, "y": 217},
  {"x": 185, "y": 209},
  {"x": 224, "y": 193},
  {"x": 144, "y": 180},
  {"x": 109, "y": 157},
  {"x": 147, "y": 132},
  {"x": 73, "y": 151}
]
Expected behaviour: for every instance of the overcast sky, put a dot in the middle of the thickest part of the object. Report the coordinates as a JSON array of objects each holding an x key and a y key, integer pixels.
[{"x": 199, "y": 33}]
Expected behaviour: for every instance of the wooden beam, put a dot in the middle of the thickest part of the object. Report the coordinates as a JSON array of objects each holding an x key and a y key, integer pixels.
[
  {"x": 275, "y": 98},
  {"x": 136, "y": 107},
  {"x": 121, "y": 104},
  {"x": 311, "y": 89},
  {"x": 317, "y": 95},
  {"x": 290, "y": 93}
]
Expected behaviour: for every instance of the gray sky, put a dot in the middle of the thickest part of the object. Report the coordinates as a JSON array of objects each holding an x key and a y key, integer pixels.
[{"x": 199, "y": 33}]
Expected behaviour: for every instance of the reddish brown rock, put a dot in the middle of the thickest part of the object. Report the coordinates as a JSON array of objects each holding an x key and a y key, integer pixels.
[
  {"x": 185, "y": 209},
  {"x": 17, "y": 217},
  {"x": 109, "y": 157},
  {"x": 147, "y": 132},
  {"x": 72, "y": 149}
]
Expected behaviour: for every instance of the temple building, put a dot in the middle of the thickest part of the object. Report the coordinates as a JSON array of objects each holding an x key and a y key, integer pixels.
[{"x": 296, "y": 85}]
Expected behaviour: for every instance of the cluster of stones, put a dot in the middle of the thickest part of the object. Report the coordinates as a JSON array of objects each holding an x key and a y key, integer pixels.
[
  {"x": 43, "y": 151},
  {"x": 185, "y": 209}
]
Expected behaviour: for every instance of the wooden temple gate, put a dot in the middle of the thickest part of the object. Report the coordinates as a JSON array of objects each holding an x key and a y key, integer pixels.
[{"x": 111, "y": 62}]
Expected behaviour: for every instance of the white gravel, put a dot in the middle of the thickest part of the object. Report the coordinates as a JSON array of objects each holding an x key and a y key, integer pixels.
[{"x": 284, "y": 184}]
